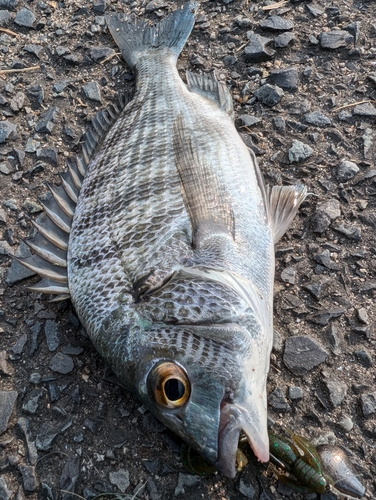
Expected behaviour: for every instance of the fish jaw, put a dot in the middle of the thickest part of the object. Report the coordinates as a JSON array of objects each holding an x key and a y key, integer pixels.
[{"x": 234, "y": 419}]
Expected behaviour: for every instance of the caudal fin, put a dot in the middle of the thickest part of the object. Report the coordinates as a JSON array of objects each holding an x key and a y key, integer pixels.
[{"x": 135, "y": 37}]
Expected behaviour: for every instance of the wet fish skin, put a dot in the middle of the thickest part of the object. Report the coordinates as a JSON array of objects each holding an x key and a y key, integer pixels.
[{"x": 170, "y": 260}]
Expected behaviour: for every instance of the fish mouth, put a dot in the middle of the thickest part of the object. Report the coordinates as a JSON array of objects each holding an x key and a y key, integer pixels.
[{"x": 235, "y": 419}]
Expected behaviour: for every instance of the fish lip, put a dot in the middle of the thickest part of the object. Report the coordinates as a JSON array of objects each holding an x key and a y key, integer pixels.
[{"x": 233, "y": 421}]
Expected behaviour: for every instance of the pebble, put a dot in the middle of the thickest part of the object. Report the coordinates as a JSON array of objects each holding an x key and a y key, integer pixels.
[
  {"x": 18, "y": 272},
  {"x": 325, "y": 260},
  {"x": 346, "y": 424},
  {"x": 69, "y": 477},
  {"x": 368, "y": 403},
  {"x": 324, "y": 214},
  {"x": 18, "y": 347},
  {"x": 32, "y": 145},
  {"x": 277, "y": 400},
  {"x": 61, "y": 363},
  {"x": 92, "y": 91},
  {"x": 48, "y": 433},
  {"x": 279, "y": 123},
  {"x": 31, "y": 206},
  {"x": 335, "y": 39},
  {"x": 288, "y": 275},
  {"x": 295, "y": 393},
  {"x": 299, "y": 151},
  {"x": 6, "y": 168},
  {"x": 286, "y": 78},
  {"x": 48, "y": 154},
  {"x": 363, "y": 316},
  {"x": 155, "y": 5},
  {"x": 51, "y": 330},
  {"x": 5, "y": 492},
  {"x": 35, "y": 49},
  {"x": 8, "y": 130},
  {"x": 315, "y": 10},
  {"x": 318, "y": 119},
  {"x": 276, "y": 23},
  {"x": 25, "y": 18},
  {"x": 296, "y": 106},
  {"x": 73, "y": 59},
  {"x": 257, "y": 49},
  {"x": 186, "y": 481},
  {"x": 19, "y": 155},
  {"x": 284, "y": 40},
  {"x": 5, "y": 367},
  {"x": 46, "y": 121},
  {"x": 248, "y": 120},
  {"x": 29, "y": 477},
  {"x": 367, "y": 144},
  {"x": 7, "y": 401},
  {"x": 5, "y": 18},
  {"x": 99, "y": 6},
  {"x": 337, "y": 391},
  {"x": 364, "y": 358},
  {"x": 302, "y": 354},
  {"x": 32, "y": 453},
  {"x": 120, "y": 479},
  {"x": 97, "y": 54},
  {"x": 31, "y": 405},
  {"x": 270, "y": 95},
  {"x": 351, "y": 232},
  {"x": 35, "y": 94},
  {"x": 346, "y": 170},
  {"x": 246, "y": 488},
  {"x": 17, "y": 102}
]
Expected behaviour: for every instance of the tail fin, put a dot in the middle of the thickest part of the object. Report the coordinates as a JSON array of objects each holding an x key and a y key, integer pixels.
[{"x": 134, "y": 37}]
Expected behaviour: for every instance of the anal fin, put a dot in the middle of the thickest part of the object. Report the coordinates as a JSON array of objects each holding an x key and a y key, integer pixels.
[{"x": 284, "y": 202}]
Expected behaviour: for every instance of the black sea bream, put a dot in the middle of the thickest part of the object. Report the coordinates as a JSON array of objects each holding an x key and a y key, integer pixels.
[{"x": 163, "y": 236}]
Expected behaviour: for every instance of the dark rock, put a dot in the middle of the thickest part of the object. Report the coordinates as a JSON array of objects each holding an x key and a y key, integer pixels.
[
  {"x": 69, "y": 477},
  {"x": 49, "y": 155},
  {"x": 6, "y": 168},
  {"x": 7, "y": 401},
  {"x": 318, "y": 119},
  {"x": 276, "y": 23},
  {"x": 61, "y": 363},
  {"x": 362, "y": 315},
  {"x": 248, "y": 120},
  {"x": 53, "y": 391},
  {"x": 288, "y": 275},
  {"x": 315, "y": 10},
  {"x": 302, "y": 354},
  {"x": 368, "y": 143},
  {"x": 48, "y": 433},
  {"x": 5, "y": 492},
  {"x": 25, "y": 18},
  {"x": 5, "y": 368},
  {"x": 284, "y": 40},
  {"x": 299, "y": 151},
  {"x": 5, "y": 18},
  {"x": 18, "y": 272},
  {"x": 151, "y": 465},
  {"x": 318, "y": 290},
  {"x": 335, "y": 39},
  {"x": 7, "y": 131},
  {"x": 351, "y": 232},
  {"x": 120, "y": 479},
  {"x": 31, "y": 405},
  {"x": 368, "y": 403},
  {"x": 295, "y": 393},
  {"x": 257, "y": 49},
  {"x": 365, "y": 110},
  {"x": 155, "y": 5},
  {"x": 46, "y": 121},
  {"x": 59, "y": 87},
  {"x": 286, "y": 78},
  {"x": 31, "y": 207},
  {"x": 270, "y": 95},
  {"x": 279, "y": 123},
  {"x": 34, "y": 49},
  {"x": 29, "y": 477},
  {"x": 70, "y": 349},
  {"x": 61, "y": 50},
  {"x": 35, "y": 94},
  {"x": 243, "y": 22},
  {"x": 246, "y": 488},
  {"x": 277, "y": 400},
  {"x": 51, "y": 330},
  {"x": 97, "y": 54},
  {"x": 18, "y": 347},
  {"x": 19, "y": 155},
  {"x": 323, "y": 317},
  {"x": 346, "y": 170},
  {"x": 186, "y": 484},
  {"x": 8, "y": 4},
  {"x": 324, "y": 259},
  {"x": 337, "y": 391},
  {"x": 32, "y": 453},
  {"x": 92, "y": 91},
  {"x": 325, "y": 214},
  {"x": 296, "y": 106},
  {"x": 363, "y": 357},
  {"x": 99, "y": 6},
  {"x": 73, "y": 59}
]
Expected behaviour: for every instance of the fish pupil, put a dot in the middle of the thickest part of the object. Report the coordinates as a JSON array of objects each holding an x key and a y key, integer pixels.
[{"x": 174, "y": 389}]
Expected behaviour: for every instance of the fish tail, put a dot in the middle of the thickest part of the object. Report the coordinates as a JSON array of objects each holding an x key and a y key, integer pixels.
[{"x": 135, "y": 38}]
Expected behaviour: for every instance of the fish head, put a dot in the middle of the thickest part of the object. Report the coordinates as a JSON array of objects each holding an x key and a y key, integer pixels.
[{"x": 207, "y": 384}]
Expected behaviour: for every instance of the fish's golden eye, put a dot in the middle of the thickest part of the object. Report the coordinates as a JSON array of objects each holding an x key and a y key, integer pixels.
[{"x": 168, "y": 385}]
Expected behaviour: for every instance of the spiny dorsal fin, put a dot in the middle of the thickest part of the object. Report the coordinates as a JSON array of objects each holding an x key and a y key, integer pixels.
[
  {"x": 209, "y": 216},
  {"x": 51, "y": 242},
  {"x": 284, "y": 202},
  {"x": 209, "y": 87}
]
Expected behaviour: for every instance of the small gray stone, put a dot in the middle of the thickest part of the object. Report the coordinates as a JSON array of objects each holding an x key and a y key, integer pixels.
[
  {"x": 59, "y": 87},
  {"x": 61, "y": 363},
  {"x": 31, "y": 405},
  {"x": 363, "y": 315},
  {"x": 51, "y": 330},
  {"x": 73, "y": 59},
  {"x": 3, "y": 216},
  {"x": 367, "y": 143},
  {"x": 364, "y": 110},
  {"x": 7, "y": 401},
  {"x": 25, "y": 18},
  {"x": 35, "y": 49},
  {"x": 17, "y": 102},
  {"x": 277, "y": 400},
  {"x": 18, "y": 347},
  {"x": 276, "y": 23},
  {"x": 324, "y": 215},
  {"x": 248, "y": 120},
  {"x": 270, "y": 95},
  {"x": 69, "y": 477},
  {"x": 257, "y": 50},
  {"x": 299, "y": 151},
  {"x": 23, "y": 425},
  {"x": 5, "y": 368},
  {"x": 186, "y": 481},
  {"x": 7, "y": 131},
  {"x": 11, "y": 204},
  {"x": 346, "y": 424},
  {"x": 302, "y": 354},
  {"x": 337, "y": 391},
  {"x": 246, "y": 488},
  {"x": 35, "y": 94},
  {"x": 32, "y": 145},
  {"x": 288, "y": 275},
  {"x": 120, "y": 479},
  {"x": 5, "y": 18},
  {"x": 5, "y": 492},
  {"x": 351, "y": 232},
  {"x": 155, "y": 5},
  {"x": 318, "y": 119},
  {"x": 296, "y": 106},
  {"x": 48, "y": 433},
  {"x": 92, "y": 91},
  {"x": 363, "y": 357},
  {"x": 315, "y": 10},
  {"x": 295, "y": 393},
  {"x": 48, "y": 154},
  {"x": 335, "y": 39},
  {"x": 284, "y": 40},
  {"x": 6, "y": 168},
  {"x": 368, "y": 403},
  {"x": 100, "y": 53},
  {"x": 31, "y": 207},
  {"x": 18, "y": 272},
  {"x": 46, "y": 121},
  {"x": 286, "y": 78},
  {"x": 346, "y": 170},
  {"x": 61, "y": 50},
  {"x": 99, "y": 6},
  {"x": 325, "y": 260},
  {"x": 29, "y": 477},
  {"x": 279, "y": 124}
]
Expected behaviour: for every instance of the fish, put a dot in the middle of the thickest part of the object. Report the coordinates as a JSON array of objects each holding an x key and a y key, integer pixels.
[{"x": 162, "y": 235}]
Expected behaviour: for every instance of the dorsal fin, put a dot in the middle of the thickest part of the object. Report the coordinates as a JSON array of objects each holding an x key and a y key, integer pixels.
[
  {"x": 51, "y": 242},
  {"x": 209, "y": 87},
  {"x": 210, "y": 216}
]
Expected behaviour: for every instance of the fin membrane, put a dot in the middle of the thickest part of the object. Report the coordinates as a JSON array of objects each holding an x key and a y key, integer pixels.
[
  {"x": 284, "y": 202},
  {"x": 209, "y": 214},
  {"x": 50, "y": 244},
  {"x": 135, "y": 37},
  {"x": 208, "y": 86}
]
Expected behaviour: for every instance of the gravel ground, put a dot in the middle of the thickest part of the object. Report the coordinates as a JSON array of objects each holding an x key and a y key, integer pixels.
[{"x": 304, "y": 88}]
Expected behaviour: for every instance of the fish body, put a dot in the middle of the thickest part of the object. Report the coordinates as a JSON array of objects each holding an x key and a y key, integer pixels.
[{"x": 170, "y": 255}]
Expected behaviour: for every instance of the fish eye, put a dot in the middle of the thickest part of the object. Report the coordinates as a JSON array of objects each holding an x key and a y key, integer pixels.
[{"x": 168, "y": 385}]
